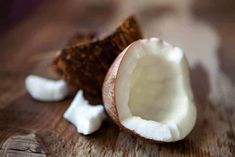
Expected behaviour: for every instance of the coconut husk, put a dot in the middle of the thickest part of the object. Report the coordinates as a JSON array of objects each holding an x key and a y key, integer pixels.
[{"x": 84, "y": 65}]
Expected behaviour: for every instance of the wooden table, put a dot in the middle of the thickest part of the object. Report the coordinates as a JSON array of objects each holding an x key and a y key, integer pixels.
[{"x": 32, "y": 128}]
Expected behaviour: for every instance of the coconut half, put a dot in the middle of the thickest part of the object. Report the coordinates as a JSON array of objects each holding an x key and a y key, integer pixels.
[{"x": 147, "y": 91}]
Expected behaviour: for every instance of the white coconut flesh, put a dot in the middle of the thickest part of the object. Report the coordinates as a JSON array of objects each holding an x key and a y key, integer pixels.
[{"x": 153, "y": 94}]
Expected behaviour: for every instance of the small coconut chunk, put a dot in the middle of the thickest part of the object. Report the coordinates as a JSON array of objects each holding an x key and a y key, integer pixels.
[
  {"x": 85, "y": 117},
  {"x": 43, "y": 89}
]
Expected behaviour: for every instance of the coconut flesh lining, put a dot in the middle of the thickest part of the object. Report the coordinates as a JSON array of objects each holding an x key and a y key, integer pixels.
[{"x": 154, "y": 97}]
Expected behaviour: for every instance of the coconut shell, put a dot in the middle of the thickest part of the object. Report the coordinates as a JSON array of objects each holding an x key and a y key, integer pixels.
[
  {"x": 108, "y": 90},
  {"x": 85, "y": 65},
  {"x": 109, "y": 94}
]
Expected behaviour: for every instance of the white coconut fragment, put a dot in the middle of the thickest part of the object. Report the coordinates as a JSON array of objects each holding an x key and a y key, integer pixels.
[
  {"x": 43, "y": 89},
  {"x": 85, "y": 117}
]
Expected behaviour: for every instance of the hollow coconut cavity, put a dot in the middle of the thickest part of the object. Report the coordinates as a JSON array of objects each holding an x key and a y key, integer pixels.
[{"x": 153, "y": 97}]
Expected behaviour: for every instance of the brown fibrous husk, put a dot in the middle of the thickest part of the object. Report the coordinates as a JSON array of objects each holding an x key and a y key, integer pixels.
[{"x": 85, "y": 64}]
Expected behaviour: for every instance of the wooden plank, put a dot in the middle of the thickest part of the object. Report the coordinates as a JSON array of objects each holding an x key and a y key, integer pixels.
[{"x": 32, "y": 128}]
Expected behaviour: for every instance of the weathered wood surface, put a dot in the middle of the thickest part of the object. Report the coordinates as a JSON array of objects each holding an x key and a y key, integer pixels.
[{"x": 31, "y": 128}]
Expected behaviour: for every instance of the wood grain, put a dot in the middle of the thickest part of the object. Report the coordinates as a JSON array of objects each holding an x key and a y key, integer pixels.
[{"x": 32, "y": 128}]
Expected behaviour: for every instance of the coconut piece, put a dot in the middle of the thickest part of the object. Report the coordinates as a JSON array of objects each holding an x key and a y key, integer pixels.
[
  {"x": 85, "y": 117},
  {"x": 147, "y": 91},
  {"x": 43, "y": 89},
  {"x": 85, "y": 65}
]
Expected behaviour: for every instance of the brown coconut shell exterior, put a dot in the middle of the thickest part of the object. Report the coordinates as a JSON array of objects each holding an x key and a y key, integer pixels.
[
  {"x": 85, "y": 65},
  {"x": 108, "y": 90}
]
